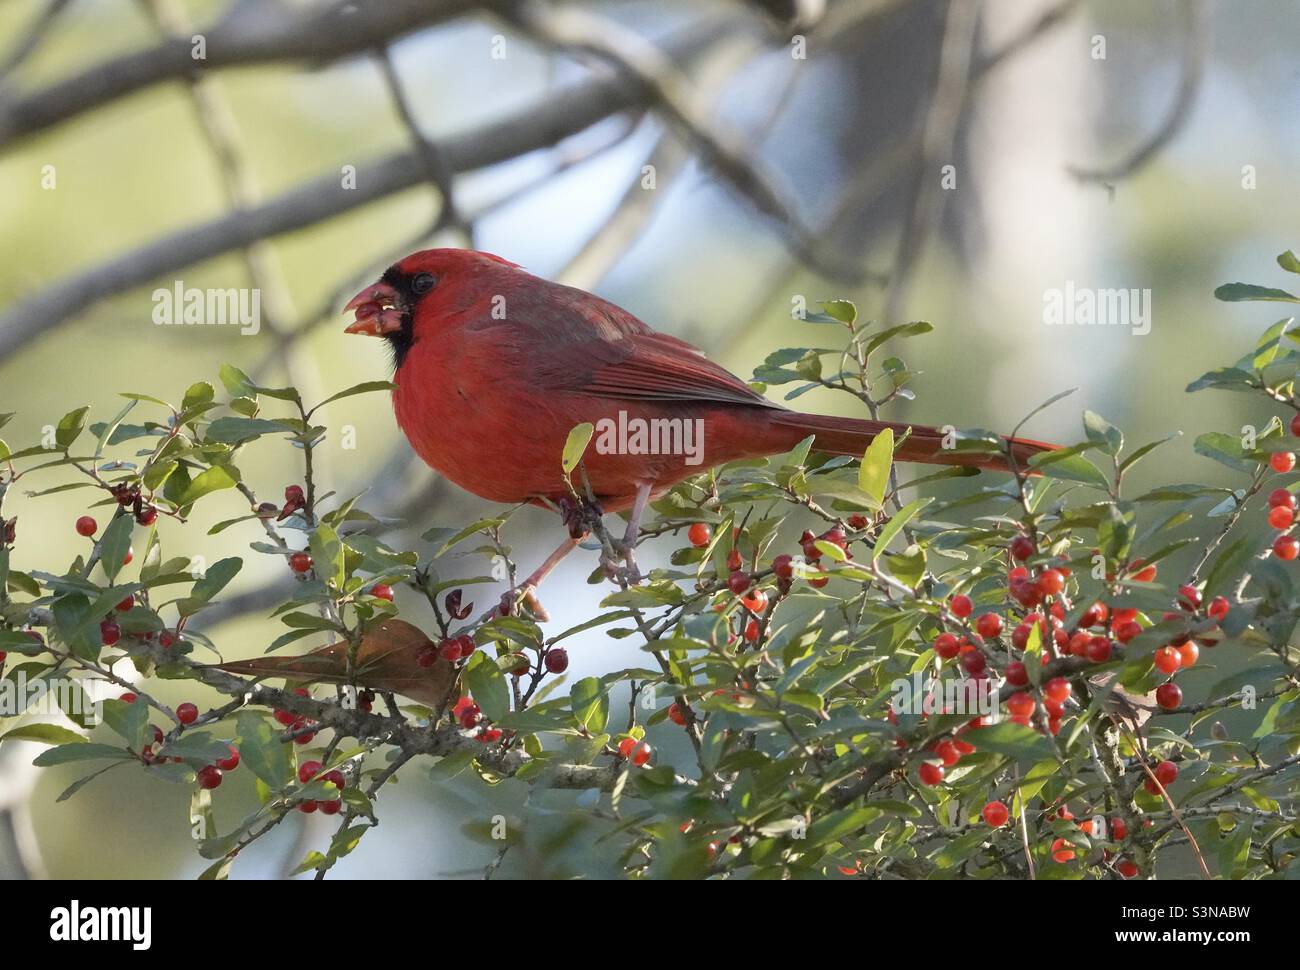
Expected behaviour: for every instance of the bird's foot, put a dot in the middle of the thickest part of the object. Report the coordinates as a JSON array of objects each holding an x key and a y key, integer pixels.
[
  {"x": 523, "y": 600},
  {"x": 621, "y": 566}
]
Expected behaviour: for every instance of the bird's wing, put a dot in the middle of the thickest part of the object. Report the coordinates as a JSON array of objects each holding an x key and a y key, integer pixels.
[{"x": 602, "y": 350}]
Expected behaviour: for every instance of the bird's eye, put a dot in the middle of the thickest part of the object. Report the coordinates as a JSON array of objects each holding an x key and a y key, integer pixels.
[{"x": 423, "y": 282}]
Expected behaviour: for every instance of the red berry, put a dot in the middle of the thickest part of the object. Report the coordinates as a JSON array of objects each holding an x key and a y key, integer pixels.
[
  {"x": 1282, "y": 461},
  {"x": 1166, "y": 660},
  {"x": 467, "y": 645},
  {"x": 469, "y": 717},
  {"x": 1295, "y": 426},
  {"x": 427, "y": 655},
  {"x": 1142, "y": 575},
  {"x": 995, "y": 814},
  {"x": 947, "y": 752},
  {"x": 165, "y": 639},
  {"x": 1188, "y": 654},
  {"x": 382, "y": 591},
  {"x": 286, "y": 718},
  {"x": 641, "y": 754},
  {"x": 308, "y": 770},
  {"x": 126, "y": 604},
  {"x": 929, "y": 773},
  {"x": 1062, "y": 851},
  {"x": 1285, "y": 547},
  {"x": 1020, "y": 636},
  {"x": 753, "y": 631},
  {"x": 1126, "y": 868},
  {"x": 989, "y": 625},
  {"x": 209, "y": 777},
  {"x": 1118, "y": 829},
  {"x": 1017, "y": 676},
  {"x": 676, "y": 714},
  {"x": 1051, "y": 582},
  {"x": 187, "y": 713},
  {"x": 699, "y": 535},
  {"x": 335, "y": 778},
  {"x": 130, "y": 554},
  {"x": 1020, "y": 705},
  {"x": 1098, "y": 649},
  {"x": 857, "y": 521},
  {"x": 128, "y": 697},
  {"x": 738, "y": 582},
  {"x": 734, "y": 560},
  {"x": 820, "y": 580},
  {"x": 305, "y": 739},
  {"x": 1169, "y": 696},
  {"x": 1189, "y": 598},
  {"x": 147, "y": 516},
  {"x": 300, "y": 562},
  {"x": 755, "y": 601},
  {"x": 1218, "y": 608},
  {"x": 1022, "y": 547},
  {"x": 947, "y": 646},
  {"x": 448, "y": 650},
  {"x": 625, "y": 746},
  {"x": 331, "y": 807},
  {"x": 308, "y": 807},
  {"x": 1126, "y": 631},
  {"x": 556, "y": 660},
  {"x": 1281, "y": 517},
  {"x": 783, "y": 566},
  {"x": 1280, "y": 497},
  {"x": 961, "y": 606},
  {"x": 1166, "y": 773},
  {"x": 973, "y": 661},
  {"x": 1058, "y": 689},
  {"x": 87, "y": 526},
  {"x": 230, "y": 763},
  {"x": 109, "y": 633}
]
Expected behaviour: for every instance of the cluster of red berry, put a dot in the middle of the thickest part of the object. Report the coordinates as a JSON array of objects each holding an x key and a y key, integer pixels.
[
  {"x": 309, "y": 771},
  {"x": 298, "y": 723},
  {"x": 453, "y": 650},
  {"x": 145, "y": 512},
  {"x": 468, "y": 715}
]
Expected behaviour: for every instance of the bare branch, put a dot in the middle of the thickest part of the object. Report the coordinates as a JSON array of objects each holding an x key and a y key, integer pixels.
[{"x": 1193, "y": 58}]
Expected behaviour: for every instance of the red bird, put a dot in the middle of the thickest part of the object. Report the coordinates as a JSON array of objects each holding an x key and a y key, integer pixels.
[{"x": 495, "y": 366}]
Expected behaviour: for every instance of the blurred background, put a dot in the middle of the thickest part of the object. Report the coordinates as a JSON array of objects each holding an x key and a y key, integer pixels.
[{"x": 703, "y": 163}]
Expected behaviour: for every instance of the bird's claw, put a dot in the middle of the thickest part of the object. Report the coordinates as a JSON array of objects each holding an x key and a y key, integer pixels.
[{"x": 515, "y": 601}]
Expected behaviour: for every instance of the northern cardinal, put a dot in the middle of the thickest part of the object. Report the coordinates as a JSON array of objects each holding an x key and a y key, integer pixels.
[
  {"x": 495, "y": 366},
  {"x": 388, "y": 659}
]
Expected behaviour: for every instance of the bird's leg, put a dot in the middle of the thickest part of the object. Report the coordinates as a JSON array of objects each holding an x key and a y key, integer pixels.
[
  {"x": 633, "y": 533},
  {"x": 526, "y": 592}
]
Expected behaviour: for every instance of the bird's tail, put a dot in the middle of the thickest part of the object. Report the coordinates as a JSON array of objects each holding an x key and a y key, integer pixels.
[{"x": 850, "y": 436}]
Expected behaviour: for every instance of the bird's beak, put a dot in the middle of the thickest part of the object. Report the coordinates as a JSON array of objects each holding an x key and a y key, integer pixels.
[{"x": 377, "y": 311}]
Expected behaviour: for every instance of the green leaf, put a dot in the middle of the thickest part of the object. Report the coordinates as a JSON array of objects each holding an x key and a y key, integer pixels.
[
  {"x": 1227, "y": 377},
  {"x": 235, "y": 381},
  {"x": 1289, "y": 262},
  {"x": 914, "y": 329},
  {"x": 199, "y": 393},
  {"x": 327, "y": 555},
  {"x": 231, "y": 430},
  {"x": 1068, "y": 465},
  {"x": 66, "y": 753},
  {"x": 215, "y": 578},
  {"x": 212, "y": 480},
  {"x": 114, "y": 544},
  {"x": 1013, "y": 740},
  {"x": 365, "y": 387},
  {"x": 1103, "y": 433},
  {"x": 70, "y": 427},
  {"x": 575, "y": 445},
  {"x": 1237, "y": 292},
  {"x": 44, "y": 733},
  {"x": 261, "y": 749},
  {"x": 488, "y": 686},
  {"x": 590, "y": 704},
  {"x": 873, "y": 475},
  {"x": 895, "y": 525}
]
